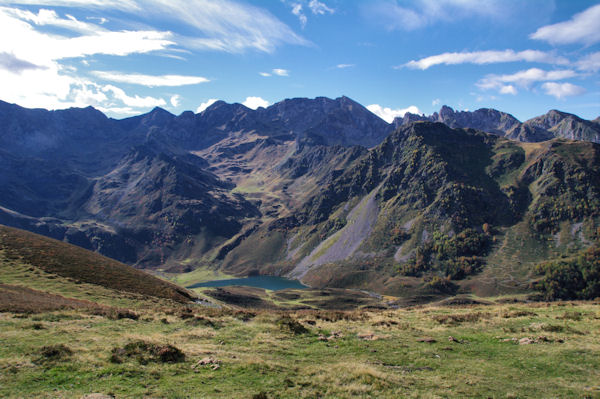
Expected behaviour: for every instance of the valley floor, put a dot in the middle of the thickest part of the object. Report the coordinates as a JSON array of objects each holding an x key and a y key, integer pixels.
[{"x": 510, "y": 350}]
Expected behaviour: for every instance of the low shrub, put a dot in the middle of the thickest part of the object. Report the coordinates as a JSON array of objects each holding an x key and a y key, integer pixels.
[
  {"x": 54, "y": 353},
  {"x": 287, "y": 323},
  {"x": 146, "y": 352}
]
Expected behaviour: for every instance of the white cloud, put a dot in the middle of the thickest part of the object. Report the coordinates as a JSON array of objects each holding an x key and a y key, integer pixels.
[
  {"x": 149, "y": 80},
  {"x": 508, "y": 89},
  {"x": 31, "y": 71},
  {"x": 582, "y": 28},
  {"x": 590, "y": 62},
  {"x": 101, "y": 20},
  {"x": 297, "y": 11},
  {"x": 118, "y": 110},
  {"x": 319, "y": 8},
  {"x": 133, "y": 101},
  {"x": 422, "y": 13},
  {"x": 50, "y": 17},
  {"x": 275, "y": 71},
  {"x": 175, "y": 100},
  {"x": 55, "y": 88},
  {"x": 486, "y": 57},
  {"x": 281, "y": 72},
  {"x": 41, "y": 49},
  {"x": 128, "y": 5},
  {"x": 388, "y": 114},
  {"x": 206, "y": 104},
  {"x": 226, "y": 25},
  {"x": 522, "y": 78},
  {"x": 13, "y": 64},
  {"x": 436, "y": 102},
  {"x": 344, "y": 66},
  {"x": 34, "y": 73},
  {"x": 255, "y": 102},
  {"x": 561, "y": 90},
  {"x": 315, "y": 6}
]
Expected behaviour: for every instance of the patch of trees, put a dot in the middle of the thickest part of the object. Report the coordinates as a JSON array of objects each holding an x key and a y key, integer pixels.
[
  {"x": 453, "y": 257},
  {"x": 575, "y": 278},
  {"x": 549, "y": 212}
]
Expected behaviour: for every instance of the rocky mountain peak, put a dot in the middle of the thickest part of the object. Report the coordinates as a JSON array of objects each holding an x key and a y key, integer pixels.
[{"x": 446, "y": 111}]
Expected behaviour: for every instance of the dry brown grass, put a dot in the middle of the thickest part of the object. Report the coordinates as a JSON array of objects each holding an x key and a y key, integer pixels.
[{"x": 19, "y": 299}]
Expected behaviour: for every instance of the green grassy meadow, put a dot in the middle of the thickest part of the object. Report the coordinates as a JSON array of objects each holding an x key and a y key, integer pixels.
[{"x": 428, "y": 351}]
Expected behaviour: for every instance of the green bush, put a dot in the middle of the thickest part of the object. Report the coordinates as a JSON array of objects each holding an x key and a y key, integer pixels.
[{"x": 442, "y": 285}]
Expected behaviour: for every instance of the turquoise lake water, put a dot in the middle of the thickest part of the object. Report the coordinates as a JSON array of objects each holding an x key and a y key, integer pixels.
[{"x": 267, "y": 282}]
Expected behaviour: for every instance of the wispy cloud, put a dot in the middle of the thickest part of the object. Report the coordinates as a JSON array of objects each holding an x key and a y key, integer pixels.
[
  {"x": 485, "y": 57},
  {"x": 206, "y": 104},
  {"x": 41, "y": 48},
  {"x": 297, "y": 11},
  {"x": 395, "y": 15},
  {"x": 582, "y": 28},
  {"x": 281, "y": 72},
  {"x": 505, "y": 84},
  {"x": 227, "y": 25},
  {"x": 51, "y": 18},
  {"x": 224, "y": 25},
  {"x": 315, "y": 6},
  {"x": 389, "y": 114},
  {"x": 562, "y": 90},
  {"x": 275, "y": 71},
  {"x": 35, "y": 72},
  {"x": 344, "y": 66},
  {"x": 590, "y": 62},
  {"x": 508, "y": 89},
  {"x": 134, "y": 101},
  {"x": 149, "y": 80},
  {"x": 175, "y": 100},
  {"x": 126, "y": 5},
  {"x": 255, "y": 102},
  {"x": 52, "y": 84},
  {"x": 319, "y": 8},
  {"x": 13, "y": 64}
]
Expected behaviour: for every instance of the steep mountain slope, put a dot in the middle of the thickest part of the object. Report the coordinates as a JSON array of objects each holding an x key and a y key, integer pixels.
[{"x": 433, "y": 202}]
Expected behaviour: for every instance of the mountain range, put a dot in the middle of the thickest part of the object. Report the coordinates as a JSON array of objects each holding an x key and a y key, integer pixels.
[{"x": 317, "y": 189}]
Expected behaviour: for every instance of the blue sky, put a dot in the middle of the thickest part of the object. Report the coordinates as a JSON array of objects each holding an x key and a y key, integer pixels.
[{"x": 125, "y": 57}]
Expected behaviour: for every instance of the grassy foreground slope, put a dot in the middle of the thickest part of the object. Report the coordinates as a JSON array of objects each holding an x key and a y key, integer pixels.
[
  {"x": 19, "y": 247},
  {"x": 494, "y": 351}
]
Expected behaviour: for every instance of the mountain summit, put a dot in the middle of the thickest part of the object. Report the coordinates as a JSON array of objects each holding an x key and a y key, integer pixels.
[{"x": 545, "y": 127}]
